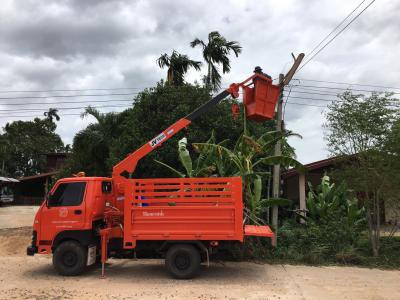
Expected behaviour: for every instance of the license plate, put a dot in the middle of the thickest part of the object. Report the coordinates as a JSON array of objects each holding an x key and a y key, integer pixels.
[{"x": 91, "y": 258}]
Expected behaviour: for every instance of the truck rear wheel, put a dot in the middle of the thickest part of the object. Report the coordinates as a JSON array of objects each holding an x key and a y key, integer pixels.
[
  {"x": 183, "y": 261},
  {"x": 69, "y": 258}
]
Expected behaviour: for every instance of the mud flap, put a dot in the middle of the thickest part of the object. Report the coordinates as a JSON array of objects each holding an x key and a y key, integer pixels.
[
  {"x": 254, "y": 230},
  {"x": 91, "y": 257}
]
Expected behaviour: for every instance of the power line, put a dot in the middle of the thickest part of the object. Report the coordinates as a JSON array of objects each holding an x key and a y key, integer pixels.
[
  {"x": 75, "y": 114},
  {"x": 68, "y": 96},
  {"x": 336, "y": 35},
  {"x": 343, "y": 89},
  {"x": 37, "y": 116},
  {"x": 333, "y": 30},
  {"x": 314, "y": 99},
  {"x": 66, "y": 102},
  {"x": 314, "y": 93},
  {"x": 170, "y": 92},
  {"x": 73, "y": 90},
  {"x": 349, "y": 83},
  {"x": 60, "y": 108}
]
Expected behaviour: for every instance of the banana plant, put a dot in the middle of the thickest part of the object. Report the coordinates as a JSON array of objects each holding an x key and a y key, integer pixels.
[
  {"x": 249, "y": 159},
  {"x": 204, "y": 165},
  {"x": 328, "y": 201}
]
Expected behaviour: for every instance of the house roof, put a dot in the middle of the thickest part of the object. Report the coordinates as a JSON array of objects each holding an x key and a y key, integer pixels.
[
  {"x": 48, "y": 174},
  {"x": 314, "y": 166},
  {"x": 8, "y": 179},
  {"x": 60, "y": 154}
]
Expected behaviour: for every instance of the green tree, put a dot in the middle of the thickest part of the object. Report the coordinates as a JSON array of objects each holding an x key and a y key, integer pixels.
[
  {"x": 52, "y": 113},
  {"x": 91, "y": 146},
  {"x": 95, "y": 151},
  {"x": 178, "y": 65},
  {"x": 358, "y": 127},
  {"x": 216, "y": 52},
  {"x": 25, "y": 144}
]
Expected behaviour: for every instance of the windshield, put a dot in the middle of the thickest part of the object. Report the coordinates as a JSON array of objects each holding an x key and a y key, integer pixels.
[{"x": 68, "y": 194}]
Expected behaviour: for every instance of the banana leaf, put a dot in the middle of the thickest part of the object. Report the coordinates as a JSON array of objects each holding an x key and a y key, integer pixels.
[
  {"x": 184, "y": 156},
  {"x": 180, "y": 174}
]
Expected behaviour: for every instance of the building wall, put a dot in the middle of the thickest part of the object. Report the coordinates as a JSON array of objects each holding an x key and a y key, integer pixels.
[
  {"x": 30, "y": 192},
  {"x": 291, "y": 184}
]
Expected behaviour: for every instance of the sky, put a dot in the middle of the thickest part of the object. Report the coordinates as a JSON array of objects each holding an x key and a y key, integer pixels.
[{"x": 78, "y": 45}]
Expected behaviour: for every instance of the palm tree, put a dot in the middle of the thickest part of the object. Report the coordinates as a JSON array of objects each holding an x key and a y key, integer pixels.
[
  {"x": 107, "y": 123},
  {"x": 52, "y": 113},
  {"x": 94, "y": 143},
  {"x": 216, "y": 52},
  {"x": 178, "y": 64}
]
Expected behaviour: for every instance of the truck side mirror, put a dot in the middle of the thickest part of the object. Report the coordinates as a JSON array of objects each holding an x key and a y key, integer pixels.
[{"x": 47, "y": 198}]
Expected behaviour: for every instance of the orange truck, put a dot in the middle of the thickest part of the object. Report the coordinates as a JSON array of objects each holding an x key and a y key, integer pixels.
[{"x": 185, "y": 220}]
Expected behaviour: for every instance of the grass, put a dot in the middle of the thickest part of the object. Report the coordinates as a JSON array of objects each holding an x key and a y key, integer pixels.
[{"x": 358, "y": 255}]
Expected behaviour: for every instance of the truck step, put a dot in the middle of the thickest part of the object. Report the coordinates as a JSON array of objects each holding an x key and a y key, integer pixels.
[{"x": 254, "y": 230}]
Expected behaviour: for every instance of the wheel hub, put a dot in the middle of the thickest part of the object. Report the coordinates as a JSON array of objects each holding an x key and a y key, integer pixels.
[
  {"x": 182, "y": 261},
  {"x": 70, "y": 259}
]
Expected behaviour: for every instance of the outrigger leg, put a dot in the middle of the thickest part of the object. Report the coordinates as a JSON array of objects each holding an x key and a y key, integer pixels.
[{"x": 104, "y": 233}]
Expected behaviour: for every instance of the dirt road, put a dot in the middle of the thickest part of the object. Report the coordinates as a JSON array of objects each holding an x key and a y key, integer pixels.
[
  {"x": 23, "y": 277},
  {"x": 17, "y": 216}
]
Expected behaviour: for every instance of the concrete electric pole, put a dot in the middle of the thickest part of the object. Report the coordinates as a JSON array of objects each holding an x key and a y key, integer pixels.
[{"x": 276, "y": 179}]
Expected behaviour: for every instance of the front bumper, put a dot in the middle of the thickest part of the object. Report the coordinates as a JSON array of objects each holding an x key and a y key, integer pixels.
[{"x": 32, "y": 249}]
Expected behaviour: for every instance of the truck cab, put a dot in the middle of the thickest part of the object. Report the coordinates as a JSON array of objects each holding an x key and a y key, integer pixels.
[{"x": 69, "y": 218}]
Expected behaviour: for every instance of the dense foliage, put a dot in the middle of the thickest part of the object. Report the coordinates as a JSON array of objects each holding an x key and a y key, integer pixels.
[
  {"x": 24, "y": 145},
  {"x": 363, "y": 128},
  {"x": 114, "y": 135}
]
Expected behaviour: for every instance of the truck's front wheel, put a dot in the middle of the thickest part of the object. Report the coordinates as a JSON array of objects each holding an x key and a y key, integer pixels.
[
  {"x": 183, "y": 261},
  {"x": 69, "y": 258}
]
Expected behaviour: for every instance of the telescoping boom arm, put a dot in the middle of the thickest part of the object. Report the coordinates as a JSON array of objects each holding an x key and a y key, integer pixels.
[{"x": 126, "y": 167}]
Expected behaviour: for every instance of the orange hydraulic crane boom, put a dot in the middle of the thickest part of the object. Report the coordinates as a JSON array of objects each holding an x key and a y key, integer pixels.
[{"x": 124, "y": 169}]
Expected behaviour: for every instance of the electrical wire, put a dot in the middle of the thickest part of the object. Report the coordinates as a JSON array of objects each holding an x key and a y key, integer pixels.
[
  {"x": 336, "y": 35},
  {"x": 59, "y": 108},
  {"x": 313, "y": 93},
  {"x": 348, "y": 83},
  {"x": 333, "y": 30},
  {"x": 68, "y": 96},
  {"x": 72, "y": 90},
  {"x": 346, "y": 89},
  {"x": 66, "y": 102}
]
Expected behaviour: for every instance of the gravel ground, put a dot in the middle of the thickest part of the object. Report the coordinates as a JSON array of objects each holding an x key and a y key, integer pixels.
[
  {"x": 17, "y": 216},
  {"x": 23, "y": 277}
]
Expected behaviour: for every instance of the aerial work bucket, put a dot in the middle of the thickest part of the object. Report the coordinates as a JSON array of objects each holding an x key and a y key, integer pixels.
[{"x": 260, "y": 100}]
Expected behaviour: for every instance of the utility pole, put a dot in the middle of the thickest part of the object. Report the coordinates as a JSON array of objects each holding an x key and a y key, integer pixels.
[{"x": 276, "y": 179}]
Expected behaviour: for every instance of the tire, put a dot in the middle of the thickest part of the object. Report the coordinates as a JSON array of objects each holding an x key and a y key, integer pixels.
[
  {"x": 183, "y": 261},
  {"x": 69, "y": 258}
]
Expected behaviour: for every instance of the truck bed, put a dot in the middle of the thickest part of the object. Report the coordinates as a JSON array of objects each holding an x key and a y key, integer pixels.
[{"x": 183, "y": 209}]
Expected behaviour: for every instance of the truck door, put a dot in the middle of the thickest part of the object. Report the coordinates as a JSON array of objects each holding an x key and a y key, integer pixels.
[{"x": 65, "y": 210}]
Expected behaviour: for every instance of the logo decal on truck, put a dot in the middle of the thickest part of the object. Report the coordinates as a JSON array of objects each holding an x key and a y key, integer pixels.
[
  {"x": 63, "y": 212},
  {"x": 153, "y": 214},
  {"x": 158, "y": 139}
]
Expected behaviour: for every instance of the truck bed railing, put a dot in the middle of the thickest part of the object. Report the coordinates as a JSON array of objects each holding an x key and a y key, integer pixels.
[{"x": 183, "y": 208}]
